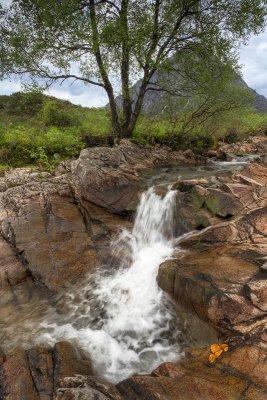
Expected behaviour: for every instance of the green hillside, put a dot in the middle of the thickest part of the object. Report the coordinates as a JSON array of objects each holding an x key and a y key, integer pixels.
[{"x": 40, "y": 130}]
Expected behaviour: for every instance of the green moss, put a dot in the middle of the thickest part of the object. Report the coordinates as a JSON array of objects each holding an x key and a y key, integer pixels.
[
  {"x": 196, "y": 199},
  {"x": 4, "y": 168},
  {"x": 213, "y": 205}
]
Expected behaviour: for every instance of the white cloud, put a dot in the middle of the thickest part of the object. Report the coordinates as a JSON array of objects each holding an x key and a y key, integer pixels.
[
  {"x": 8, "y": 87},
  {"x": 253, "y": 57},
  {"x": 91, "y": 97},
  {"x": 78, "y": 93}
]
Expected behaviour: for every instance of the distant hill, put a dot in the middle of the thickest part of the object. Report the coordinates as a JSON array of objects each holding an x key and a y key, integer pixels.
[
  {"x": 154, "y": 101},
  {"x": 260, "y": 101}
]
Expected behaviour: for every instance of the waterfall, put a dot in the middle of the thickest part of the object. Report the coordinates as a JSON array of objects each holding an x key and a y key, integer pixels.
[{"x": 121, "y": 317}]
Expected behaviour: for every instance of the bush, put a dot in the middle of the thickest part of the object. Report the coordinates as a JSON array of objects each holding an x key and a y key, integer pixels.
[
  {"x": 65, "y": 142},
  {"x": 24, "y": 104},
  {"x": 21, "y": 145},
  {"x": 18, "y": 143},
  {"x": 54, "y": 113}
]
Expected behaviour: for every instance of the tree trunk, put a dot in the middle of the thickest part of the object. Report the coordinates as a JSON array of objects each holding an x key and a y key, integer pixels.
[{"x": 125, "y": 67}]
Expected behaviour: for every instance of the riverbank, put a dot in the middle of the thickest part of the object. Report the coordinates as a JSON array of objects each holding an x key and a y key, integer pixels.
[{"x": 57, "y": 228}]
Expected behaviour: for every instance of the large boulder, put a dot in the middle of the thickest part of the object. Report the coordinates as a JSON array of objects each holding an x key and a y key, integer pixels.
[
  {"x": 201, "y": 203},
  {"x": 87, "y": 388},
  {"x": 46, "y": 230},
  {"x": 111, "y": 177},
  {"x": 195, "y": 379},
  {"x": 214, "y": 285},
  {"x": 37, "y": 373}
]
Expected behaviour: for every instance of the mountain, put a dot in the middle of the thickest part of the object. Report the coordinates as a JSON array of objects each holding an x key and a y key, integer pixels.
[
  {"x": 260, "y": 101},
  {"x": 155, "y": 101}
]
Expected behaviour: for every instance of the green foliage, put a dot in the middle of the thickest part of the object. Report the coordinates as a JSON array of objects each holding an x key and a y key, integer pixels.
[
  {"x": 22, "y": 145},
  {"x": 40, "y": 141},
  {"x": 54, "y": 113},
  {"x": 125, "y": 39},
  {"x": 22, "y": 104}
]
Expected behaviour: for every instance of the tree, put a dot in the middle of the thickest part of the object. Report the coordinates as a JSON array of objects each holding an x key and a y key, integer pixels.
[{"x": 110, "y": 43}]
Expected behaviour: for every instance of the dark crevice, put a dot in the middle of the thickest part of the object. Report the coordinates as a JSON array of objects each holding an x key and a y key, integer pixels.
[{"x": 33, "y": 381}]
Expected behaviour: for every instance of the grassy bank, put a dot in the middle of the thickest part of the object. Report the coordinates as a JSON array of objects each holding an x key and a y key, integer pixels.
[{"x": 40, "y": 130}]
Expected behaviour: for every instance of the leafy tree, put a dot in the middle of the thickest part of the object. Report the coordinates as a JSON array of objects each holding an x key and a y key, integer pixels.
[{"x": 99, "y": 41}]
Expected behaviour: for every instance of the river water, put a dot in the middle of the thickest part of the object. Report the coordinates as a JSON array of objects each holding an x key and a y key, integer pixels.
[{"x": 119, "y": 315}]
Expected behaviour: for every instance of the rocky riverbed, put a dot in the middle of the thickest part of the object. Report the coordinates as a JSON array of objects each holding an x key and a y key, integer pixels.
[{"x": 56, "y": 229}]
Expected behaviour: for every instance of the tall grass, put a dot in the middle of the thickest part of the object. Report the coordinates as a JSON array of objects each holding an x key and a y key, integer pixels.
[{"x": 39, "y": 130}]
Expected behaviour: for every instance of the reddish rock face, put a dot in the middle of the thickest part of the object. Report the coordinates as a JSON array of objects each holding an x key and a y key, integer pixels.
[
  {"x": 110, "y": 177},
  {"x": 86, "y": 388},
  {"x": 17, "y": 379},
  {"x": 69, "y": 361},
  {"x": 55, "y": 229},
  {"x": 200, "y": 205},
  {"x": 222, "y": 280},
  {"x": 41, "y": 373}
]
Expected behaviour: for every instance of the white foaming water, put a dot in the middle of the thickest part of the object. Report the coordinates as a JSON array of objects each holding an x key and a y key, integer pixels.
[{"x": 122, "y": 318}]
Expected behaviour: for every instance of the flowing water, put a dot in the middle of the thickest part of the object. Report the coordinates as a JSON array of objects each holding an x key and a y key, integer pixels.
[
  {"x": 126, "y": 322},
  {"x": 120, "y": 316}
]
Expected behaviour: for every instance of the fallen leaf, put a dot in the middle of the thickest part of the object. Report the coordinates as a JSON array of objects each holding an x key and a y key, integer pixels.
[
  {"x": 224, "y": 347},
  {"x": 218, "y": 353},
  {"x": 212, "y": 358},
  {"x": 214, "y": 348}
]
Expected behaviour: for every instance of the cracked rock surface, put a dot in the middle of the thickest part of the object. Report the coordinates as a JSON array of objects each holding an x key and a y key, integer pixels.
[{"x": 56, "y": 228}]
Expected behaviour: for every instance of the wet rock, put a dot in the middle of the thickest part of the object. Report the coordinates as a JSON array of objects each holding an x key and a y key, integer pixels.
[
  {"x": 11, "y": 270},
  {"x": 212, "y": 284},
  {"x": 17, "y": 382},
  {"x": 69, "y": 361},
  {"x": 252, "y": 145},
  {"x": 47, "y": 232},
  {"x": 221, "y": 204},
  {"x": 239, "y": 373},
  {"x": 186, "y": 185},
  {"x": 248, "y": 229},
  {"x": 247, "y": 361},
  {"x": 197, "y": 385},
  {"x": 110, "y": 177},
  {"x": 37, "y": 373},
  {"x": 85, "y": 387},
  {"x": 257, "y": 292},
  {"x": 189, "y": 154},
  {"x": 212, "y": 154},
  {"x": 41, "y": 368}
]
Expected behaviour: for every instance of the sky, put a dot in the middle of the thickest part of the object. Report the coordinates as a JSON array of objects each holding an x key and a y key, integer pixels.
[{"x": 253, "y": 61}]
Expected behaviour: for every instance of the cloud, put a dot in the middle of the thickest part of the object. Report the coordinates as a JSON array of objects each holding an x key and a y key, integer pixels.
[
  {"x": 78, "y": 93},
  {"x": 253, "y": 57},
  {"x": 8, "y": 87}
]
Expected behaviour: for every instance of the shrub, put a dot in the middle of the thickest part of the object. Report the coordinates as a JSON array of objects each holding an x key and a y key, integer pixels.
[
  {"x": 54, "y": 113},
  {"x": 22, "y": 145},
  {"x": 18, "y": 141},
  {"x": 24, "y": 104},
  {"x": 65, "y": 142}
]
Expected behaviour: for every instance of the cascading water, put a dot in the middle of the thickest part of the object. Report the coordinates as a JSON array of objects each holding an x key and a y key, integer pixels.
[{"x": 120, "y": 316}]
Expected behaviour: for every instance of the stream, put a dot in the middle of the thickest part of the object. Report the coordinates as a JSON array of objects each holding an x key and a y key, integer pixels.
[{"x": 119, "y": 315}]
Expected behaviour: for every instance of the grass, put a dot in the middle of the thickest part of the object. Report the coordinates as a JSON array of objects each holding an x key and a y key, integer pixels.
[{"x": 41, "y": 130}]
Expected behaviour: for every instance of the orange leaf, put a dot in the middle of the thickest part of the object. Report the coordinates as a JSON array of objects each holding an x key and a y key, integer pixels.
[
  {"x": 218, "y": 353},
  {"x": 212, "y": 358},
  {"x": 214, "y": 348},
  {"x": 224, "y": 347}
]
